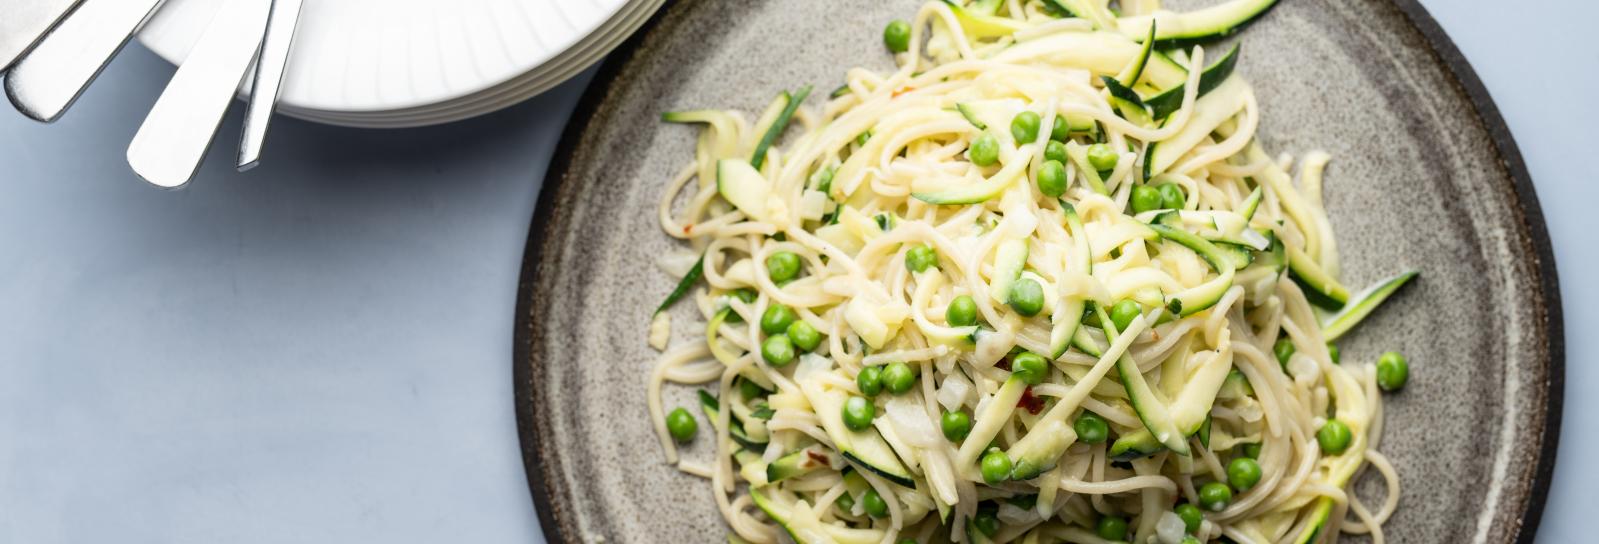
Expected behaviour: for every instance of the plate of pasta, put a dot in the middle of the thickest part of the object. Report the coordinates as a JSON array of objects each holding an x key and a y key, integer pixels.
[{"x": 1007, "y": 271}]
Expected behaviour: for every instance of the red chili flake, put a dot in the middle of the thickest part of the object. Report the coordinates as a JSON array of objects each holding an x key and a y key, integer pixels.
[
  {"x": 902, "y": 90},
  {"x": 1003, "y": 364},
  {"x": 819, "y": 458},
  {"x": 1032, "y": 403},
  {"x": 687, "y": 228}
]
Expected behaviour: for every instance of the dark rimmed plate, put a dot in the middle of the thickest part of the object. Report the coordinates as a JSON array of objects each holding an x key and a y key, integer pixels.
[{"x": 1425, "y": 175}]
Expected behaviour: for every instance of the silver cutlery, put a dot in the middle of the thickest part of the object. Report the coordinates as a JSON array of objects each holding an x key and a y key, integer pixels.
[
  {"x": 51, "y": 77},
  {"x": 24, "y": 22},
  {"x": 269, "y": 64},
  {"x": 176, "y": 134}
]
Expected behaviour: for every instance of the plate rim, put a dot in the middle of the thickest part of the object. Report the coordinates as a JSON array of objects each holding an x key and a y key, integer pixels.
[
  {"x": 162, "y": 46},
  {"x": 1438, "y": 41}
]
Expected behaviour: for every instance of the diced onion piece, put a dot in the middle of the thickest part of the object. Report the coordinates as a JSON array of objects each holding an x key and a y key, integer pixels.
[
  {"x": 1169, "y": 528},
  {"x": 677, "y": 263},
  {"x": 911, "y": 423},
  {"x": 952, "y": 394},
  {"x": 812, "y": 205},
  {"x": 660, "y": 330}
]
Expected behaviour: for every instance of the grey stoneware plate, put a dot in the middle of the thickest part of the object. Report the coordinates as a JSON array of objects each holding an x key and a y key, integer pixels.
[{"x": 1425, "y": 175}]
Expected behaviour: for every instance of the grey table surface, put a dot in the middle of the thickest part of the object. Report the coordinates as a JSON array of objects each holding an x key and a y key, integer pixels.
[{"x": 319, "y": 350}]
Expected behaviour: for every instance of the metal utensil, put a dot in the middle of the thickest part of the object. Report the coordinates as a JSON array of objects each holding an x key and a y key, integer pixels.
[
  {"x": 51, "y": 77},
  {"x": 177, "y": 133},
  {"x": 24, "y": 22},
  {"x": 269, "y": 64}
]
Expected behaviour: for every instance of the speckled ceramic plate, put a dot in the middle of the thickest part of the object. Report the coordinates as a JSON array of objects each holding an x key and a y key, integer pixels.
[{"x": 1425, "y": 176}]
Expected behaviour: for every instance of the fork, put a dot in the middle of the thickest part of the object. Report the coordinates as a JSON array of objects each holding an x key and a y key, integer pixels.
[{"x": 176, "y": 134}]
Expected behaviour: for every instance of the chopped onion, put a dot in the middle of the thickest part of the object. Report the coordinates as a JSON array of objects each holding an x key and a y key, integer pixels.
[
  {"x": 952, "y": 394},
  {"x": 911, "y": 423},
  {"x": 1255, "y": 239},
  {"x": 660, "y": 330},
  {"x": 993, "y": 346},
  {"x": 812, "y": 205},
  {"x": 677, "y": 263},
  {"x": 1303, "y": 369},
  {"x": 1169, "y": 528}
]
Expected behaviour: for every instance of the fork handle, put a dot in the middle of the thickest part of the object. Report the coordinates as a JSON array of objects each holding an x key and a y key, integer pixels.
[{"x": 177, "y": 133}]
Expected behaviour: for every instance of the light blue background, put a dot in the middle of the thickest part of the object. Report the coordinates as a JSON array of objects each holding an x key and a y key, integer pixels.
[{"x": 319, "y": 350}]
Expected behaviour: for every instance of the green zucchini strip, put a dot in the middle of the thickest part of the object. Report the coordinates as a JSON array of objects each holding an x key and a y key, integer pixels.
[
  {"x": 683, "y": 285},
  {"x": 778, "y": 126},
  {"x": 1362, "y": 305}
]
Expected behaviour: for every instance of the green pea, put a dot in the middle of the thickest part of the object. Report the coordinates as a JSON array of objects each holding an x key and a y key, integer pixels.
[
  {"x": 1392, "y": 371},
  {"x": 804, "y": 335},
  {"x": 986, "y": 522},
  {"x": 777, "y": 319},
  {"x": 962, "y": 312},
  {"x": 1123, "y": 312},
  {"x": 1091, "y": 429},
  {"x": 1027, "y": 297},
  {"x": 681, "y": 425},
  {"x": 873, "y": 504},
  {"x": 984, "y": 150},
  {"x": 748, "y": 390},
  {"x": 897, "y": 36},
  {"x": 1283, "y": 349},
  {"x": 1024, "y": 127},
  {"x": 783, "y": 266},
  {"x": 1171, "y": 196},
  {"x": 1059, "y": 131},
  {"x": 898, "y": 378},
  {"x": 1189, "y": 539},
  {"x": 1252, "y": 450},
  {"x": 1111, "y": 528},
  {"x": 1332, "y": 351},
  {"x": 1145, "y": 198},
  {"x": 956, "y": 425},
  {"x": 1052, "y": 178},
  {"x": 1055, "y": 151},
  {"x": 845, "y": 502},
  {"x": 1334, "y": 437},
  {"x": 858, "y": 413},
  {"x": 919, "y": 258},
  {"x": 1101, "y": 157},
  {"x": 1030, "y": 367},
  {"x": 906, "y": 541},
  {"x": 1243, "y": 473},
  {"x": 1191, "y": 516},
  {"x": 996, "y": 466},
  {"x": 1215, "y": 496},
  {"x": 778, "y": 350},
  {"x": 870, "y": 381}
]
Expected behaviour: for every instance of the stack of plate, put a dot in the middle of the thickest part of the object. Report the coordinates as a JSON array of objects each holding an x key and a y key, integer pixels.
[{"x": 405, "y": 63}]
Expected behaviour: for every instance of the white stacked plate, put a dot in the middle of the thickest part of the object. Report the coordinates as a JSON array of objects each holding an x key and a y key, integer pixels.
[{"x": 405, "y": 63}]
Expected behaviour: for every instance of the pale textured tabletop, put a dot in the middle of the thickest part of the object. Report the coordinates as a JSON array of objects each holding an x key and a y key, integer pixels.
[{"x": 319, "y": 350}]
